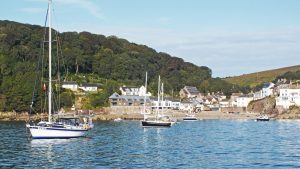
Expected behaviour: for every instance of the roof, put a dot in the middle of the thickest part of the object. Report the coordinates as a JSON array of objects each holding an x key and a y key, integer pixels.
[
  {"x": 128, "y": 88},
  {"x": 114, "y": 96},
  {"x": 69, "y": 83},
  {"x": 191, "y": 89},
  {"x": 89, "y": 85},
  {"x": 129, "y": 98},
  {"x": 247, "y": 95}
]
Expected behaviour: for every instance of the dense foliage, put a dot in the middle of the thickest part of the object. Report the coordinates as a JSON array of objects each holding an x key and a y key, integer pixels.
[
  {"x": 219, "y": 85},
  {"x": 106, "y": 58},
  {"x": 290, "y": 76}
]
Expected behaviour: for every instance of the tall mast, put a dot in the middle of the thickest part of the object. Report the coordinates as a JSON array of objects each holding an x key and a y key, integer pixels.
[
  {"x": 162, "y": 97},
  {"x": 145, "y": 95},
  {"x": 50, "y": 49},
  {"x": 158, "y": 96}
]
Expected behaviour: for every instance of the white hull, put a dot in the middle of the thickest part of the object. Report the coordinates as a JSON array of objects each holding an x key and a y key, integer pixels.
[{"x": 50, "y": 132}]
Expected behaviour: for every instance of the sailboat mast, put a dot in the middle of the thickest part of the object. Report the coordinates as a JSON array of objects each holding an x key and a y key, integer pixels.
[
  {"x": 50, "y": 49},
  {"x": 145, "y": 93},
  {"x": 158, "y": 96},
  {"x": 162, "y": 96}
]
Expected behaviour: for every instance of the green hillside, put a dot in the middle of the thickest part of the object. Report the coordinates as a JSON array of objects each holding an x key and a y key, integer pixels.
[
  {"x": 258, "y": 78},
  {"x": 108, "y": 61}
]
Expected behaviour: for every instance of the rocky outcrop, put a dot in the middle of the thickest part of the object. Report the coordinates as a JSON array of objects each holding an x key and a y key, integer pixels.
[
  {"x": 266, "y": 105},
  {"x": 292, "y": 113}
]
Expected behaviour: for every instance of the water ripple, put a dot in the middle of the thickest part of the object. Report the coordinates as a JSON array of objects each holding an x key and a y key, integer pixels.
[{"x": 202, "y": 144}]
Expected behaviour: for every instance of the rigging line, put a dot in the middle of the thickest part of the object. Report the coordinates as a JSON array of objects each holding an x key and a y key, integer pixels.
[
  {"x": 35, "y": 83},
  {"x": 62, "y": 58},
  {"x": 58, "y": 69}
]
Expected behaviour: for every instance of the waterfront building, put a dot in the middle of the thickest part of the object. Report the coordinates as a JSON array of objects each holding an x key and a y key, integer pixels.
[
  {"x": 120, "y": 100},
  {"x": 134, "y": 91},
  {"x": 186, "y": 106},
  {"x": 288, "y": 97},
  {"x": 244, "y": 100},
  {"x": 167, "y": 103},
  {"x": 233, "y": 99}
]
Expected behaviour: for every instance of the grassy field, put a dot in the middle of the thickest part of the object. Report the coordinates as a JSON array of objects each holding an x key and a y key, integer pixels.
[{"x": 257, "y": 78}]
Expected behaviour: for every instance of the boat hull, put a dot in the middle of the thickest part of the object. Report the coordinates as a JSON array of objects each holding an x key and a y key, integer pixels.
[
  {"x": 262, "y": 119},
  {"x": 56, "y": 133},
  {"x": 190, "y": 119},
  {"x": 156, "y": 124}
]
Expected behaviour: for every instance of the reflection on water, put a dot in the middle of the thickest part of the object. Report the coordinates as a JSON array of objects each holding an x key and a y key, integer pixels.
[{"x": 202, "y": 144}]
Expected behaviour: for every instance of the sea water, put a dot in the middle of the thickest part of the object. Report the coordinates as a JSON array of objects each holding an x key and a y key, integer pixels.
[{"x": 200, "y": 144}]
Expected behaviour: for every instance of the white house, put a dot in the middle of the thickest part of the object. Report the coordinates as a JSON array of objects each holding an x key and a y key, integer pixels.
[
  {"x": 224, "y": 103},
  {"x": 267, "y": 90},
  {"x": 88, "y": 87},
  {"x": 257, "y": 95},
  {"x": 244, "y": 100},
  {"x": 233, "y": 99},
  {"x": 70, "y": 85},
  {"x": 175, "y": 104},
  {"x": 186, "y": 106},
  {"x": 134, "y": 91},
  {"x": 288, "y": 97},
  {"x": 166, "y": 103}
]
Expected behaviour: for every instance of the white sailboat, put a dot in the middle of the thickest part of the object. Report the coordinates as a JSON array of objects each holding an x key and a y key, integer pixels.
[
  {"x": 157, "y": 122},
  {"x": 64, "y": 127}
]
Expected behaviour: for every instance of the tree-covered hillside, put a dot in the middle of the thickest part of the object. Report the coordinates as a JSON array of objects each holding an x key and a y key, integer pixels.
[{"x": 113, "y": 59}]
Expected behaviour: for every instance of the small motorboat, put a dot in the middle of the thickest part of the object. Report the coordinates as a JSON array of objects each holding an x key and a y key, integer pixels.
[
  {"x": 263, "y": 118},
  {"x": 190, "y": 118},
  {"x": 118, "y": 119}
]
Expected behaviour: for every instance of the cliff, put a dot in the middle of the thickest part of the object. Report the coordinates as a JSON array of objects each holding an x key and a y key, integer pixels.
[{"x": 266, "y": 106}]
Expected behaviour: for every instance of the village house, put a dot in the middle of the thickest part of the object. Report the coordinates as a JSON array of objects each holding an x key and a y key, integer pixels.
[
  {"x": 186, "y": 105},
  {"x": 189, "y": 92},
  {"x": 122, "y": 100},
  {"x": 167, "y": 103},
  {"x": 134, "y": 91},
  {"x": 267, "y": 89},
  {"x": 210, "y": 100},
  {"x": 244, "y": 100},
  {"x": 70, "y": 85},
  {"x": 233, "y": 99},
  {"x": 87, "y": 87},
  {"x": 224, "y": 103},
  {"x": 288, "y": 97}
]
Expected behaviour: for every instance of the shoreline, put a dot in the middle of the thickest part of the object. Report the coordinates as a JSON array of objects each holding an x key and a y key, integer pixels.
[{"x": 107, "y": 116}]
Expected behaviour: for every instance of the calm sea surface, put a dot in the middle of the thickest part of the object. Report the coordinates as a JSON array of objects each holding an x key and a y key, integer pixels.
[{"x": 202, "y": 144}]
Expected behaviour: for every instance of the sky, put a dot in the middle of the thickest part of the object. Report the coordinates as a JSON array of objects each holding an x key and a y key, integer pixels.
[{"x": 232, "y": 37}]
